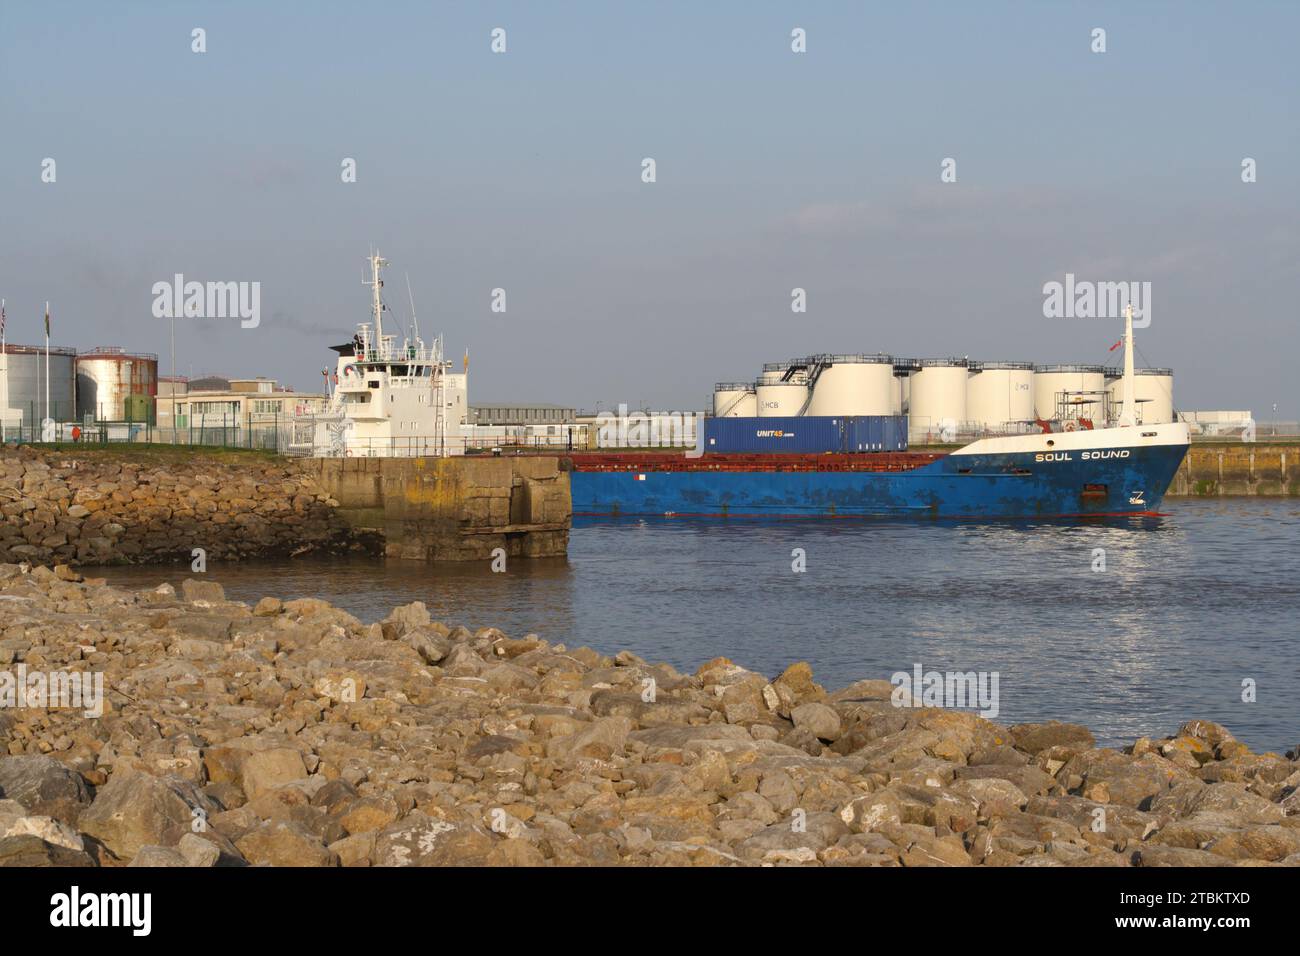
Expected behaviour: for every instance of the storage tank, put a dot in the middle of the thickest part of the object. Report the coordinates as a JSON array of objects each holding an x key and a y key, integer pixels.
[
  {"x": 1000, "y": 395},
  {"x": 775, "y": 372},
  {"x": 782, "y": 390},
  {"x": 938, "y": 399},
  {"x": 1079, "y": 387},
  {"x": 22, "y": 392},
  {"x": 902, "y": 392},
  {"x": 1153, "y": 394},
  {"x": 107, "y": 375},
  {"x": 734, "y": 400},
  {"x": 852, "y": 385}
]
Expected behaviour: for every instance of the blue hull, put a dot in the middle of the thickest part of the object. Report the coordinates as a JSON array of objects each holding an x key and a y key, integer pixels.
[{"x": 1122, "y": 481}]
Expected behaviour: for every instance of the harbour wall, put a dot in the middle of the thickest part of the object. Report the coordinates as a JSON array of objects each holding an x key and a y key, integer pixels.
[
  {"x": 118, "y": 507},
  {"x": 1239, "y": 469},
  {"x": 152, "y": 505},
  {"x": 453, "y": 509}
]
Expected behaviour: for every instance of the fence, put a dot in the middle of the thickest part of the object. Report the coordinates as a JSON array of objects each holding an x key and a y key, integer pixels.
[{"x": 252, "y": 432}]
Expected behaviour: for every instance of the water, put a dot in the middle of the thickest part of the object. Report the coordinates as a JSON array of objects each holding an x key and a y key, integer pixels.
[{"x": 1188, "y": 608}]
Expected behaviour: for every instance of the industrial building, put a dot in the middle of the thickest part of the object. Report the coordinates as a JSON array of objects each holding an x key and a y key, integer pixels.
[
  {"x": 215, "y": 402},
  {"x": 945, "y": 399}
]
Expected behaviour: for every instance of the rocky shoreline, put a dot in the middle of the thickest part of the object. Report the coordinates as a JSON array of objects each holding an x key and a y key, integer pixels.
[{"x": 293, "y": 734}]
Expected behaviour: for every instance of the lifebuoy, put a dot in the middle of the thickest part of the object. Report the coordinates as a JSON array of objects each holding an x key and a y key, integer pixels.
[{"x": 1069, "y": 426}]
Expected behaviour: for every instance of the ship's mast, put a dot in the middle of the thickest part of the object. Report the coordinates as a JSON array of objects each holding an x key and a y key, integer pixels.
[
  {"x": 377, "y": 285},
  {"x": 1126, "y": 415}
]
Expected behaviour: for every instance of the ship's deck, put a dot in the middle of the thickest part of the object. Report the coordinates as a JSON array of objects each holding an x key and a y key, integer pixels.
[{"x": 659, "y": 461}]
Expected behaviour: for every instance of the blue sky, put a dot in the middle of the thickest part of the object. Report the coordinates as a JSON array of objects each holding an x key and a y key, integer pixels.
[{"x": 775, "y": 170}]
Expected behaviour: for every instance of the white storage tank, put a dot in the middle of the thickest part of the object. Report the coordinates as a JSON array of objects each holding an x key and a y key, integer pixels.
[
  {"x": 782, "y": 398},
  {"x": 937, "y": 409},
  {"x": 1000, "y": 396},
  {"x": 734, "y": 400},
  {"x": 776, "y": 372},
  {"x": 1078, "y": 389},
  {"x": 852, "y": 385},
  {"x": 23, "y": 391},
  {"x": 1153, "y": 394}
]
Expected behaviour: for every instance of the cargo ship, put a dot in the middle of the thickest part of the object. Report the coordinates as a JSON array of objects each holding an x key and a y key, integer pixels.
[{"x": 1065, "y": 470}]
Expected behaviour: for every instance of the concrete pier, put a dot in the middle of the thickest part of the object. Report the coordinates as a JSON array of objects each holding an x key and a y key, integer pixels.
[
  {"x": 1264, "y": 469},
  {"x": 453, "y": 509}
]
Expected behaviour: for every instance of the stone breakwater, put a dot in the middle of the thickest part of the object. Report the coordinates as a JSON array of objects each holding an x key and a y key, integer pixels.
[
  {"x": 292, "y": 733},
  {"x": 59, "y": 507}
]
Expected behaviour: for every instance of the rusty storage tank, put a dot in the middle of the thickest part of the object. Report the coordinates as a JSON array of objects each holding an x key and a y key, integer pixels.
[
  {"x": 107, "y": 377},
  {"x": 22, "y": 392}
]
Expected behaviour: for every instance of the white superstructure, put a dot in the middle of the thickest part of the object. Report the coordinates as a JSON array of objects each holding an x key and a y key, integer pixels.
[{"x": 391, "y": 399}]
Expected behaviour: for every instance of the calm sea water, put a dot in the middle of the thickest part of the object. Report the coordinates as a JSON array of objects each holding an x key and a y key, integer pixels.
[{"x": 1187, "y": 608}]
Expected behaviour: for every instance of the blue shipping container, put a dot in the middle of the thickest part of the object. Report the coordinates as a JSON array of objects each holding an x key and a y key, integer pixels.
[
  {"x": 868, "y": 433},
  {"x": 803, "y": 435}
]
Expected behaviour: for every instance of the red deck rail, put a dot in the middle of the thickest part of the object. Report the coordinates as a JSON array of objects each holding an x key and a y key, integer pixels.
[{"x": 659, "y": 461}]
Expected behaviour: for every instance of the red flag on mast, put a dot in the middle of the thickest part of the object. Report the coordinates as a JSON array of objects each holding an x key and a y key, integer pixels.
[{"x": 1115, "y": 346}]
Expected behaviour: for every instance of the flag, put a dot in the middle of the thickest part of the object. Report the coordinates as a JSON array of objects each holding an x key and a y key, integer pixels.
[
  {"x": 47, "y": 320},
  {"x": 1115, "y": 346},
  {"x": 467, "y": 360},
  {"x": 2, "y": 320}
]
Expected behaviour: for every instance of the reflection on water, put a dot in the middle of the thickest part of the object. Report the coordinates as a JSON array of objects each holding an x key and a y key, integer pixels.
[{"x": 1188, "y": 607}]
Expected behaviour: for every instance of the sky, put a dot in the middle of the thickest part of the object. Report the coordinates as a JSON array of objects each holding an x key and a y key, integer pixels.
[{"x": 774, "y": 170}]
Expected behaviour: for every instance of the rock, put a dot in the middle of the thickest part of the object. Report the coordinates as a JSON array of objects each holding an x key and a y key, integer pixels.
[
  {"x": 795, "y": 686},
  {"x": 43, "y": 786},
  {"x": 158, "y": 856},
  {"x": 268, "y": 607},
  {"x": 993, "y": 796},
  {"x": 354, "y": 850},
  {"x": 368, "y": 815},
  {"x": 1148, "y": 855},
  {"x": 15, "y": 822},
  {"x": 268, "y": 769},
  {"x": 417, "y": 840},
  {"x": 284, "y": 843},
  {"x": 408, "y": 617},
  {"x": 602, "y": 739},
  {"x": 28, "y": 850},
  {"x": 209, "y": 591},
  {"x": 1034, "y": 738},
  {"x": 137, "y": 809},
  {"x": 817, "y": 719},
  {"x": 197, "y": 851}
]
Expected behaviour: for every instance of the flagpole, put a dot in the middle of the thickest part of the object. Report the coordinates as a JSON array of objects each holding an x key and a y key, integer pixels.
[
  {"x": 47, "y": 360},
  {"x": 4, "y": 412}
]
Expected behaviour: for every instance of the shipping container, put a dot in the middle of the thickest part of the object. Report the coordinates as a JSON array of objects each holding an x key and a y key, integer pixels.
[
  {"x": 872, "y": 433},
  {"x": 805, "y": 434}
]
